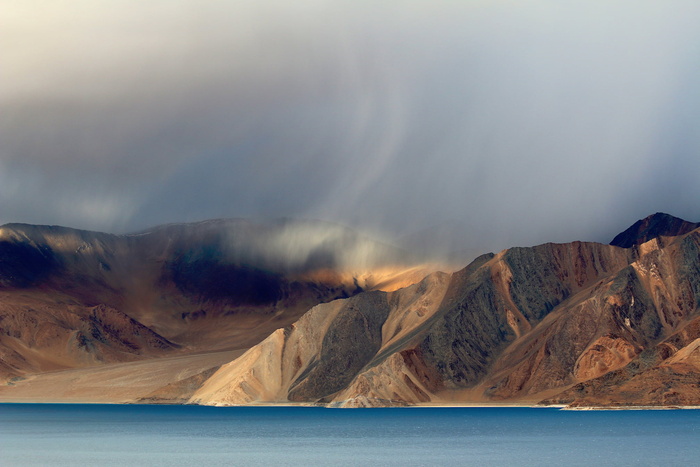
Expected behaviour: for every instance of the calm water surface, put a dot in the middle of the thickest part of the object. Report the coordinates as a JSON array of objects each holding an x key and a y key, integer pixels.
[{"x": 56, "y": 434}]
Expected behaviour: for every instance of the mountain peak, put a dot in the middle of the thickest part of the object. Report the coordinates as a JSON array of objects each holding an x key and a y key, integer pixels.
[{"x": 653, "y": 226}]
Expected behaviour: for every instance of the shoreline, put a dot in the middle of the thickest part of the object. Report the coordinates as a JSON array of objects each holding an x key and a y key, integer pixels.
[
  {"x": 451, "y": 405},
  {"x": 634, "y": 407}
]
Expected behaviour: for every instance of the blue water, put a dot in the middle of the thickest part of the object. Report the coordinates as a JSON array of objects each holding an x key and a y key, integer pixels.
[{"x": 55, "y": 434}]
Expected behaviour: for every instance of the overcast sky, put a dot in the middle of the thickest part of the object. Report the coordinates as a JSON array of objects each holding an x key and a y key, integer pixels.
[{"x": 525, "y": 121}]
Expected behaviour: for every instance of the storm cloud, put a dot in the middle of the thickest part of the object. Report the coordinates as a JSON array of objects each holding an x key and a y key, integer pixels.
[{"x": 522, "y": 122}]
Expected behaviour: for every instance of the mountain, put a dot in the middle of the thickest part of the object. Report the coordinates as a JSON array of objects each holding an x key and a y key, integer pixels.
[
  {"x": 577, "y": 323},
  {"x": 71, "y": 298},
  {"x": 311, "y": 313},
  {"x": 654, "y": 226}
]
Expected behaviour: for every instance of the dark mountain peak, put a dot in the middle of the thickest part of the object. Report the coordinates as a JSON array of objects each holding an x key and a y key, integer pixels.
[{"x": 653, "y": 226}]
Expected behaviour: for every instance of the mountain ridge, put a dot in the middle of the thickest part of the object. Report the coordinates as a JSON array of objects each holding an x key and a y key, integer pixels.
[
  {"x": 517, "y": 354},
  {"x": 206, "y": 286},
  {"x": 577, "y": 323},
  {"x": 653, "y": 226}
]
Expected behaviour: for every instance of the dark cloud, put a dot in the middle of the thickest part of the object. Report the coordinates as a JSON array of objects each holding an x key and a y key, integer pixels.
[{"x": 523, "y": 123}]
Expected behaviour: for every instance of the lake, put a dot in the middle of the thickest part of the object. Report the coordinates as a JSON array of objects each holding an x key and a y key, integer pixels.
[{"x": 116, "y": 435}]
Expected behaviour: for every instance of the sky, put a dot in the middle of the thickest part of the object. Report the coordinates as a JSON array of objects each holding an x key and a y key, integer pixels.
[{"x": 521, "y": 122}]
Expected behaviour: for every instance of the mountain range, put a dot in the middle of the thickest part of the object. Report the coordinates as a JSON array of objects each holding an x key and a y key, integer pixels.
[{"x": 230, "y": 312}]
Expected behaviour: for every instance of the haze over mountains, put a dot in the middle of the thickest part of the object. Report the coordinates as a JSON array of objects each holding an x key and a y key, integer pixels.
[
  {"x": 74, "y": 298},
  {"x": 379, "y": 115},
  {"x": 241, "y": 312}
]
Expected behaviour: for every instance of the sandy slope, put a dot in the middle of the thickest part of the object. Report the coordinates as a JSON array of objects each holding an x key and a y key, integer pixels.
[
  {"x": 112, "y": 383},
  {"x": 577, "y": 323},
  {"x": 520, "y": 326}
]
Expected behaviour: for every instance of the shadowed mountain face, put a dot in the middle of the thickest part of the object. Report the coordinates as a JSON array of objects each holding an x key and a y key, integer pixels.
[
  {"x": 577, "y": 323},
  {"x": 654, "y": 226},
  {"x": 522, "y": 325},
  {"x": 214, "y": 285},
  {"x": 23, "y": 265}
]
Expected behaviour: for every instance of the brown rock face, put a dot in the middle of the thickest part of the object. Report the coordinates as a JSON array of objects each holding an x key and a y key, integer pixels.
[
  {"x": 72, "y": 298},
  {"x": 578, "y": 323},
  {"x": 606, "y": 354},
  {"x": 666, "y": 374},
  {"x": 331, "y": 349},
  {"x": 351, "y": 341},
  {"x": 518, "y": 326},
  {"x": 40, "y": 335}
]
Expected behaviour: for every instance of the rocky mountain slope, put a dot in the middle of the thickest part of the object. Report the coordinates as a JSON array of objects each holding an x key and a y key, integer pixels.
[
  {"x": 654, "y": 226},
  {"x": 578, "y": 323},
  {"x": 71, "y": 298}
]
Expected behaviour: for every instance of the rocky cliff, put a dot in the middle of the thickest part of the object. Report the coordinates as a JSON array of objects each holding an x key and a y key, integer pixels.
[
  {"x": 578, "y": 323},
  {"x": 72, "y": 298}
]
